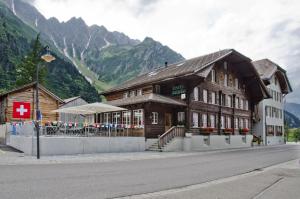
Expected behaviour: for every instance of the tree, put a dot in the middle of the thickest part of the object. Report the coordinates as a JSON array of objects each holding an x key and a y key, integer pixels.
[
  {"x": 297, "y": 135},
  {"x": 26, "y": 70}
]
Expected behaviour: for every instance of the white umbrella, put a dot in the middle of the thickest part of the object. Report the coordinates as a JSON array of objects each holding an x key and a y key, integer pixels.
[{"x": 89, "y": 109}]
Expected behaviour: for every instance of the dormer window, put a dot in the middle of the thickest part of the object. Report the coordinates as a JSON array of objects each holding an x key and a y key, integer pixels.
[
  {"x": 157, "y": 89},
  {"x": 213, "y": 76},
  {"x": 225, "y": 66},
  {"x": 132, "y": 93},
  {"x": 139, "y": 92},
  {"x": 126, "y": 95},
  {"x": 236, "y": 83},
  {"x": 225, "y": 80}
]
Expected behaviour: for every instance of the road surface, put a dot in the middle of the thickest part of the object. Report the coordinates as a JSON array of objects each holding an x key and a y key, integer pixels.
[{"x": 125, "y": 178}]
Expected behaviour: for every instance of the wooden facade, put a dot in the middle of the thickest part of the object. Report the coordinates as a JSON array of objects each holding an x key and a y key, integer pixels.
[
  {"x": 47, "y": 103},
  {"x": 218, "y": 99}
]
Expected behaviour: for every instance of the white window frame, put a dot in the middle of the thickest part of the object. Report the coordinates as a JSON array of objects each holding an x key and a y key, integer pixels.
[
  {"x": 154, "y": 117},
  {"x": 241, "y": 104},
  {"x": 213, "y": 76},
  {"x": 229, "y": 100},
  {"x": 126, "y": 95},
  {"x": 116, "y": 118},
  {"x": 236, "y": 123},
  {"x": 213, "y": 97},
  {"x": 236, "y": 83},
  {"x": 181, "y": 116},
  {"x": 132, "y": 93},
  {"x": 204, "y": 120},
  {"x": 106, "y": 118},
  {"x": 222, "y": 122},
  {"x": 138, "y": 115},
  {"x": 139, "y": 92},
  {"x": 205, "y": 96},
  {"x": 212, "y": 121},
  {"x": 126, "y": 118},
  {"x": 228, "y": 122},
  {"x": 246, "y": 105},
  {"x": 196, "y": 94},
  {"x": 195, "y": 120},
  {"x": 225, "y": 80}
]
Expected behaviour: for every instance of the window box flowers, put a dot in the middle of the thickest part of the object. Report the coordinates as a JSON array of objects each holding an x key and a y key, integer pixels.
[{"x": 244, "y": 131}]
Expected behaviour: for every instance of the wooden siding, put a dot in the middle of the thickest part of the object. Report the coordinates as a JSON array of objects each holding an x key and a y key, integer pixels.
[{"x": 46, "y": 104}]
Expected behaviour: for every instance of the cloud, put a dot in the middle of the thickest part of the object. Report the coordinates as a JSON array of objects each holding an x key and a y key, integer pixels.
[{"x": 256, "y": 28}]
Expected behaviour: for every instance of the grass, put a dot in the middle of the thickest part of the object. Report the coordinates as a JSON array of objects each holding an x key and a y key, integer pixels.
[{"x": 291, "y": 137}]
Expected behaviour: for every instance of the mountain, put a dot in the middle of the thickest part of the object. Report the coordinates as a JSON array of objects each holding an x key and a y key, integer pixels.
[
  {"x": 293, "y": 108},
  {"x": 105, "y": 58},
  {"x": 291, "y": 120},
  {"x": 16, "y": 38}
]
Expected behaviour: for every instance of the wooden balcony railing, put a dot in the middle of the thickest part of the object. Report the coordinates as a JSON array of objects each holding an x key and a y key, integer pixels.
[{"x": 169, "y": 135}]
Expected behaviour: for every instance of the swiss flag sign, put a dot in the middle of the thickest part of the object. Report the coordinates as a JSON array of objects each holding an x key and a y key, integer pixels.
[{"x": 21, "y": 110}]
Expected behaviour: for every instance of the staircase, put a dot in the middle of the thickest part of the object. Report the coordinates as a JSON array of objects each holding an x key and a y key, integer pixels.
[{"x": 167, "y": 138}]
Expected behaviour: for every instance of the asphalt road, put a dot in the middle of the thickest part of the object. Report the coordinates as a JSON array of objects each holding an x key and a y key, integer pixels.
[{"x": 123, "y": 178}]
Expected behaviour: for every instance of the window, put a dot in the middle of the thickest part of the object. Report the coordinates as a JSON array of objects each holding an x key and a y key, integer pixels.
[
  {"x": 138, "y": 119},
  {"x": 237, "y": 102},
  {"x": 246, "y": 105},
  {"x": 204, "y": 96},
  {"x": 116, "y": 118},
  {"x": 180, "y": 116},
  {"x": 229, "y": 101},
  {"x": 222, "y": 122},
  {"x": 236, "y": 83},
  {"x": 132, "y": 93},
  {"x": 213, "y": 97},
  {"x": 236, "y": 123},
  {"x": 195, "y": 120},
  {"x": 157, "y": 89},
  {"x": 212, "y": 121},
  {"x": 247, "y": 123},
  {"x": 107, "y": 118},
  {"x": 241, "y": 104},
  {"x": 126, "y": 95},
  {"x": 126, "y": 119},
  {"x": 204, "y": 120},
  {"x": 213, "y": 76},
  {"x": 225, "y": 80},
  {"x": 228, "y": 122},
  {"x": 225, "y": 66},
  {"x": 196, "y": 94},
  {"x": 139, "y": 92},
  {"x": 154, "y": 117},
  {"x": 241, "y": 123},
  {"x": 223, "y": 100}
]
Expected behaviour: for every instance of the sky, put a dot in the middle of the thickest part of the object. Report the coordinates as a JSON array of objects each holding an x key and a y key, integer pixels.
[{"x": 256, "y": 28}]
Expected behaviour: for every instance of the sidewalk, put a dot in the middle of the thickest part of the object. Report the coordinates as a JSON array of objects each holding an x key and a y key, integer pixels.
[
  {"x": 276, "y": 182},
  {"x": 16, "y": 158}
]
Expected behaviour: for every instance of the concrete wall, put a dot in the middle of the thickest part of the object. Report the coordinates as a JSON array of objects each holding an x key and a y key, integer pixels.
[
  {"x": 77, "y": 145},
  {"x": 203, "y": 143},
  {"x": 275, "y": 140},
  {"x": 150, "y": 142},
  {"x": 3, "y": 131}
]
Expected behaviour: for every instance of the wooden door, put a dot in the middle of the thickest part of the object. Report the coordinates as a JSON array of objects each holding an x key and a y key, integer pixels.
[{"x": 168, "y": 121}]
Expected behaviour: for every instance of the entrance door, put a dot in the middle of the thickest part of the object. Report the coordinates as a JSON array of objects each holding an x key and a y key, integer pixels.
[{"x": 168, "y": 121}]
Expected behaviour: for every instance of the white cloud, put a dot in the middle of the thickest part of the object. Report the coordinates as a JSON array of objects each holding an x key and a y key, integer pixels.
[{"x": 256, "y": 28}]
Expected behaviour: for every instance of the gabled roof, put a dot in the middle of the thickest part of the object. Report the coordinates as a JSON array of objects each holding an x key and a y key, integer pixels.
[
  {"x": 146, "y": 98},
  {"x": 200, "y": 67},
  {"x": 267, "y": 68},
  {"x": 179, "y": 69},
  {"x": 71, "y": 99},
  {"x": 29, "y": 86}
]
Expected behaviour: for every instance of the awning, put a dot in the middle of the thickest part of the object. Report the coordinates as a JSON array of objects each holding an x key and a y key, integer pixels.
[{"x": 89, "y": 109}]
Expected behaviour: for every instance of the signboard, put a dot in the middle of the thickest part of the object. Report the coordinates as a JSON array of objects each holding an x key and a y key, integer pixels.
[
  {"x": 21, "y": 110},
  {"x": 178, "y": 90}
]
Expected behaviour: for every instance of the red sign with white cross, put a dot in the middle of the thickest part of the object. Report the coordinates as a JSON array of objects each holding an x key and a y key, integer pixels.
[{"x": 21, "y": 110}]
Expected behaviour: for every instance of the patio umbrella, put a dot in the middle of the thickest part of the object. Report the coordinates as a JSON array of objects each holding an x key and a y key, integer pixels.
[{"x": 89, "y": 109}]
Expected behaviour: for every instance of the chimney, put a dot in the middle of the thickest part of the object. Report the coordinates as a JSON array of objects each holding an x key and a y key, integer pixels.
[{"x": 166, "y": 64}]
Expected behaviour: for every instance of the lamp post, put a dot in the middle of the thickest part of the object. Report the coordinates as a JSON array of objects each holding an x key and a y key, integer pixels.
[{"x": 47, "y": 57}]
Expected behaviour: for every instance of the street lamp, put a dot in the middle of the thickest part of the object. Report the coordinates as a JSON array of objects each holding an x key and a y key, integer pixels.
[{"x": 47, "y": 57}]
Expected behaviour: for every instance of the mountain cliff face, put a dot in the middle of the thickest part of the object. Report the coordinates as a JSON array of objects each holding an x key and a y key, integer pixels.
[
  {"x": 105, "y": 58},
  {"x": 63, "y": 79},
  {"x": 291, "y": 120}
]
